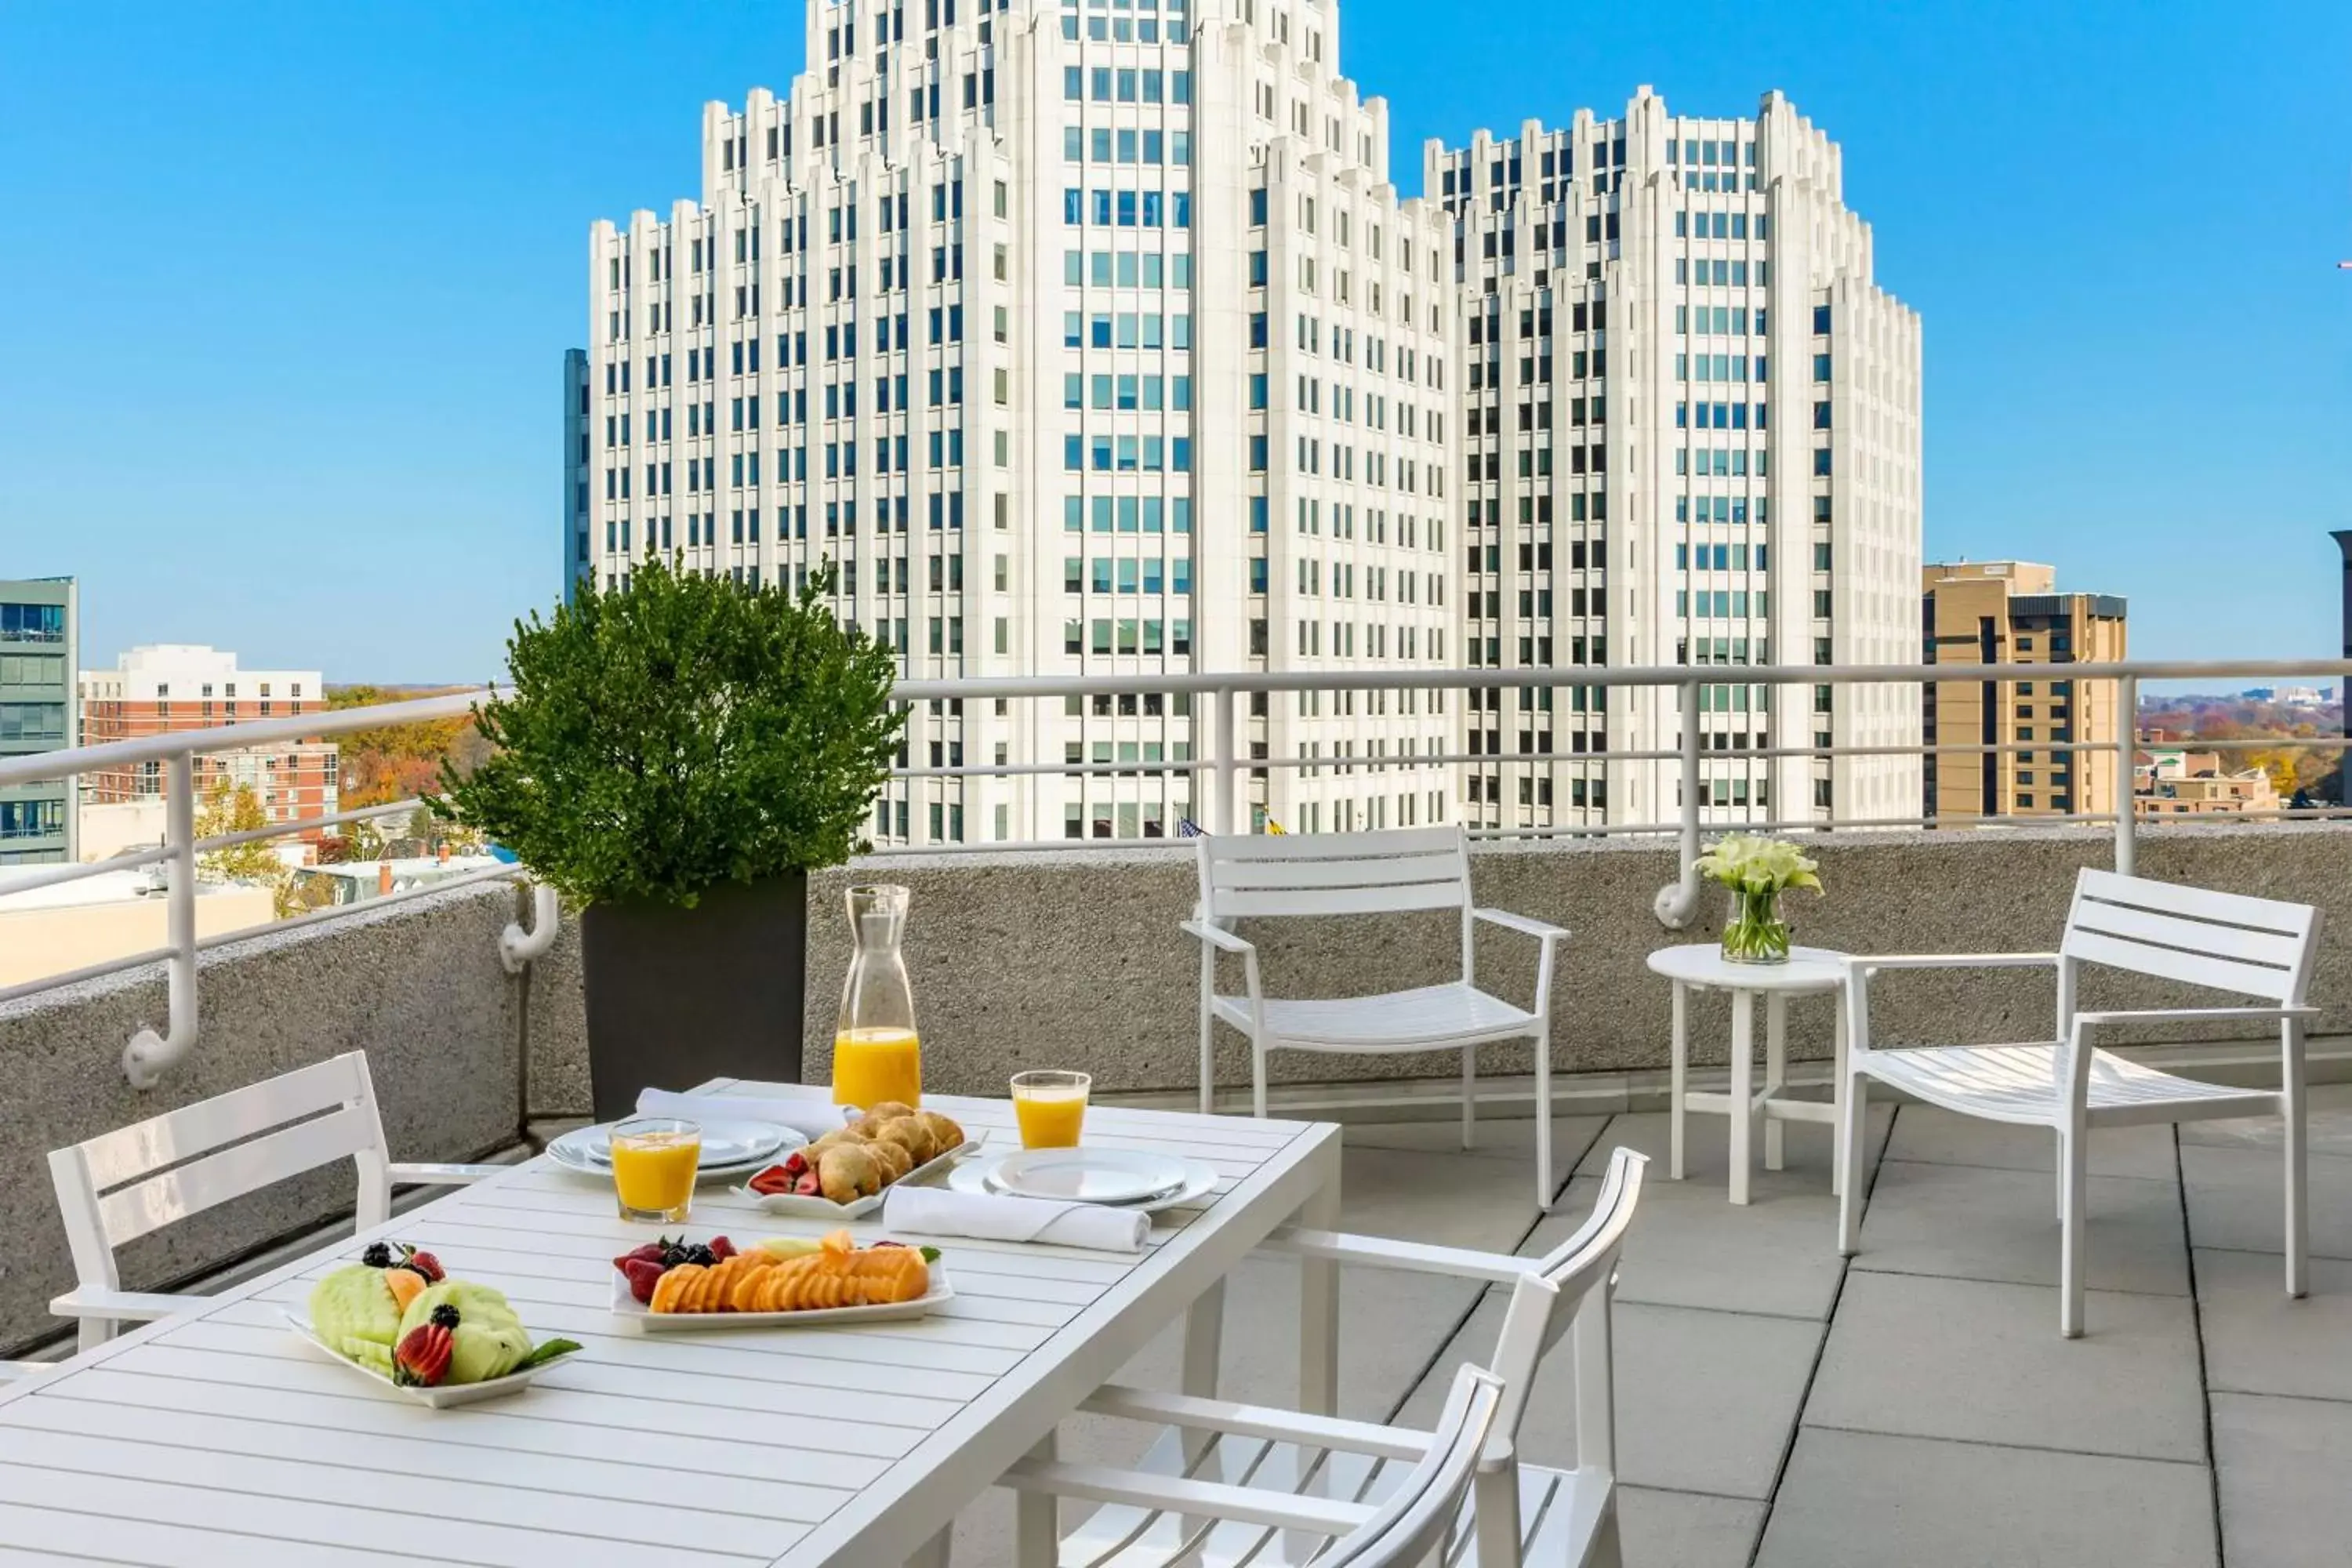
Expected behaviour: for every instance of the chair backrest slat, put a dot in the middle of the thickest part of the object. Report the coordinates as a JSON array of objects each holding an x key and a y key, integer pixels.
[
  {"x": 1571, "y": 1282},
  {"x": 176, "y": 1135},
  {"x": 136, "y": 1180},
  {"x": 2228, "y": 942},
  {"x": 132, "y": 1211},
  {"x": 1416, "y": 1519},
  {"x": 1334, "y": 874}
]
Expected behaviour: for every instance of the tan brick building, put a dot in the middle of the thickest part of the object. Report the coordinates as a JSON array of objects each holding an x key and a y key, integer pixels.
[{"x": 2010, "y": 612}]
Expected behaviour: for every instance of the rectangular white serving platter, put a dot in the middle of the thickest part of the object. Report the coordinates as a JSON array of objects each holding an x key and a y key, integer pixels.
[
  {"x": 636, "y": 1317},
  {"x": 806, "y": 1208},
  {"x": 441, "y": 1398}
]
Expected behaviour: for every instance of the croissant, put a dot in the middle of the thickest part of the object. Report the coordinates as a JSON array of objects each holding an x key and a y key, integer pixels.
[
  {"x": 893, "y": 1158},
  {"x": 846, "y": 1173},
  {"x": 841, "y": 1276},
  {"x": 946, "y": 1132},
  {"x": 888, "y": 1111},
  {"x": 908, "y": 1133}
]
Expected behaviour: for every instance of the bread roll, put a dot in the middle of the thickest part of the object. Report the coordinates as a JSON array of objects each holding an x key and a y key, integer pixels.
[{"x": 888, "y": 1111}]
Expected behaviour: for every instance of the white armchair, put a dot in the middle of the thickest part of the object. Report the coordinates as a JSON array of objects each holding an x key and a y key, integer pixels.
[
  {"x": 2254, "y": 947},
  {"x": 1296, "y": 875}
]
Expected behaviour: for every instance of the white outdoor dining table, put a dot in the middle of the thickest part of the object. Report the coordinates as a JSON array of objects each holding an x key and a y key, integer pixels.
[{"x": 214, "y": 1437}]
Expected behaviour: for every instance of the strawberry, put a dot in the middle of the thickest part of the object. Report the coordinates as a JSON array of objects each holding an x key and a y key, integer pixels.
[
  {"x": 644, "y": 1274},
  {"x": 651, "y": 1251},
  {"x": 422, "y": 1357},
  {"x": 721, "y": 1248},
  {"x": 424, "y": 1263}
]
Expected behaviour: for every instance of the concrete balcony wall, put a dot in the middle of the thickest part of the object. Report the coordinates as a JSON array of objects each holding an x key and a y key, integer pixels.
[
  {"x": 417, "y": 986},
  {"x": 1074, "y": 959}
]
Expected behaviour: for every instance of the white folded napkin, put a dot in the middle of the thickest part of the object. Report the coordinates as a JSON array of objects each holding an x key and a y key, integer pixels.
[
  {"x": 815, "y": 1118},
  {"x": 938, "y": 1211}
]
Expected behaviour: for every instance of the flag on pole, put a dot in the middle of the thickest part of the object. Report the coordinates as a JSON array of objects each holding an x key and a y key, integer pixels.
[
  {"x": 1275, "y": 827},
  {"x": 1188, "y": 828}
]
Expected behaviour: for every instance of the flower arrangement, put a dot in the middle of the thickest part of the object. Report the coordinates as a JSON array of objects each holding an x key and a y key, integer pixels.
[{"x": 1758, "y": 870}]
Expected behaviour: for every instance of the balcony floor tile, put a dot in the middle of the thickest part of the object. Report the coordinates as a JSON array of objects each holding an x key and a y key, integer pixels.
[{"x": 1977, "y": 1222}]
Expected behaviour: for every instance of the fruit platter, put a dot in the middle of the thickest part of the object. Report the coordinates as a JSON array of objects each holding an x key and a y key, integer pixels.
[
  {"x": 397, "y": 1317},
  {"x": 791, "y": 1281},
  {"x": 843, "y": 1176}
]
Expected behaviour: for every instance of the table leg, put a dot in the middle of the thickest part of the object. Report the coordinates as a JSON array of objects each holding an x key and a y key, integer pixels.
[
  {"x": 1743, "y": 1088},
  {"x": 1204, "y": 1333},
  {"x": 1319, "y": 1298},
  {"x": 1037, "y": 1516},
  {"x": 1837, "y": 1096},
  {"x": 1677, "y": 1081},
  {"x": 1776, "y": 1069}
]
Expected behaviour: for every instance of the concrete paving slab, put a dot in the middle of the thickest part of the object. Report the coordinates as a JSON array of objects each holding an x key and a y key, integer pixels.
[
  {"x": 2260, "y": 1340},
  {"x": 2280, "y": 1466},
  {"x": 2237, "y": 1200},
  {"x": 1932, "y": 1135},
  {"x": 1707, "y": 1152},
  {"x": 1704, "y": 1400},
  {"x": 1482, "y": 1202},
  {"x": 1686, "y": 1530},
  {"x": 1512, "y": 1138},
  {"x": 1983, "y": 1362},
  {"x": 1975, "y": 1222},
  {"x": 2329, "y": 1123},
  {"x": 1865, "y": 1501},
  {"x": 1688, "y": 1247}
]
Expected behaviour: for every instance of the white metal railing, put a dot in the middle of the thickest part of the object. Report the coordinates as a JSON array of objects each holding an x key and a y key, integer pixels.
[
  {"x": 150, "y": 1055},
  {"x": 1219, "y": 766}
]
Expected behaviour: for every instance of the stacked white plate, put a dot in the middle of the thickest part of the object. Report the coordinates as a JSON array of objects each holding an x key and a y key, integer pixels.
[
  {"x": 729, "y": 1148},
  {"x": 1117, "y": 1178}
]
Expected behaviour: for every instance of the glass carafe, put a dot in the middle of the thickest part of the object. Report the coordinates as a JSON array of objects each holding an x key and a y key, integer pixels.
[{"x": 876, "y": 1054}]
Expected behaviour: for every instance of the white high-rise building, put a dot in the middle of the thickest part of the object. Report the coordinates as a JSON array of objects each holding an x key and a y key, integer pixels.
[
  {"x": 1091, "y": 338},
  {"x": 1083, "y": 339},
  {"x": 1691, "y": 435}
]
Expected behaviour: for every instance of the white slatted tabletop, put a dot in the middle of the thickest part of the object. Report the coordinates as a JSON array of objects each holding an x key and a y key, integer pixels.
[{"x": 214, "y": 1437}]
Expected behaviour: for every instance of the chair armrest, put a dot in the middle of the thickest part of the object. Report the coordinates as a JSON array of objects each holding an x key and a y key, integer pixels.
[
  {"x": 1407, "y": 1257},
  {"x": 1520, "y": 924},
  {"x": 1217, "y": 936},
  {"x": 1865, "y": 964},
  {"x": 1258, "y": 1421},
  {"x": 1183, "y": 1495},
  {"x": 138, "y": 1306},
  {"x": 430, "y": 1175},
  {"x": 2188, "y": 1014}
]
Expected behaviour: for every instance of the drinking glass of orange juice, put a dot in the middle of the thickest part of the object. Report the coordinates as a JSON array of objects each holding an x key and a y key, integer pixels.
[
  {"x": 1050, "y": 1108},
  {"x": 654, "y": 1163}
]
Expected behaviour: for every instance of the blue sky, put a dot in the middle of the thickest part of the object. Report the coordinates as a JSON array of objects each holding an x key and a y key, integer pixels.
[{"x": 290, "y": 285}]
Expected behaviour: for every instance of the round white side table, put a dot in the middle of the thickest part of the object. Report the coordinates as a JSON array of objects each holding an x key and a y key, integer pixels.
[{"x": 1701, "y": 966}]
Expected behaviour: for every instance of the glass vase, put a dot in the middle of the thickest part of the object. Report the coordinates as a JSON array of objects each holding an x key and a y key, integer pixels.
[{"x": 1754, "y": 933}]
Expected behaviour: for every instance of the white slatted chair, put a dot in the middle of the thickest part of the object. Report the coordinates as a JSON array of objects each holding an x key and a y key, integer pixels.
[
  {"x": 1231, "y": 1484},
  {"x": 1283, "y": 875},
  {"x": 122, "y": 1186},
  {"x": 2251, "y": 947}
]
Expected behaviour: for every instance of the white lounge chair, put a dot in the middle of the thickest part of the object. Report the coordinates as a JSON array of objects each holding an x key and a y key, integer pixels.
[
  {"x": 2252, "y": 947},
  {"x": 123, "y": 1185},
  {"x": 1226, "y": 1483},
  {"x": 1281, "y": 875}
]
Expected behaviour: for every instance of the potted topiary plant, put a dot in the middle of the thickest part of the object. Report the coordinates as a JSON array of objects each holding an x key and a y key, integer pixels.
[{"x": 675, "y": 757}]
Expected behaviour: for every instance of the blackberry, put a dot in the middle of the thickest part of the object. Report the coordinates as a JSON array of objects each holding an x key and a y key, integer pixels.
[
  {"x": 702, "y": 1254},
  {"x": 673, "y": 1256},
  {"x": 378, "y": 1255},
  {"x": 445, "y": 1315}
]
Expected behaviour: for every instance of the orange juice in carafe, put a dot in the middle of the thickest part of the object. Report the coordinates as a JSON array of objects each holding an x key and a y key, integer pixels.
[
  {"x": 876, "y": 1055},
  {"x": 871, "y": 1066}
]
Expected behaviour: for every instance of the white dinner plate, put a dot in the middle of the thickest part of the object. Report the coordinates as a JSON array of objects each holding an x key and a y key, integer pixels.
[
  {"x": 637, "y": 1317},
  {"x": 1200, "y": 1181},
  {"x": 728, "y": 1148},
  {"x": 816, "y": 1207},
  {"x": 440, "y": 1399},
  {"x": 1089, "y": 1175}
]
